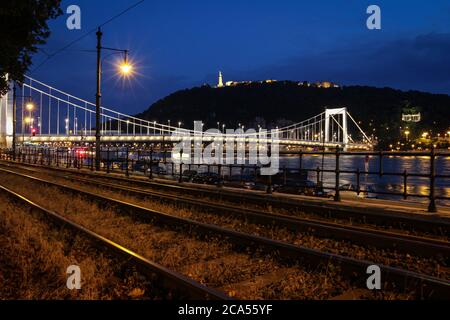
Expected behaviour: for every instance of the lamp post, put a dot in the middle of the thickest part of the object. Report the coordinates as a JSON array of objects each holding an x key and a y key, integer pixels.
[
  {"x": 67, "y": 125},
  {"x": 30, "y": 107},
  {"x": 14, "y": 121},
  {"x": 407, "y": 132},
  {"x": 98, "y": 100},
  {"x": 125, "y": 69}
]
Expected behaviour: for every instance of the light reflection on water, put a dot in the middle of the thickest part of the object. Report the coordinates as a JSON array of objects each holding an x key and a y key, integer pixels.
[{"x": 416, "y": 185}]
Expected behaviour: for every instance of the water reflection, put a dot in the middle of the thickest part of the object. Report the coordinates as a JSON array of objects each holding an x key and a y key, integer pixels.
[{"x": 391, "y": 164}]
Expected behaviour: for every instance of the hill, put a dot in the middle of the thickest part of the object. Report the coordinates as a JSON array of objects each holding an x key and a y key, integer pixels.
[{"x": 379, "y": 110}]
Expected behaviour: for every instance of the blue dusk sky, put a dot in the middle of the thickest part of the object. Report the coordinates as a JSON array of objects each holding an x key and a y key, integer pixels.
[{"x": 180, "y": 44}]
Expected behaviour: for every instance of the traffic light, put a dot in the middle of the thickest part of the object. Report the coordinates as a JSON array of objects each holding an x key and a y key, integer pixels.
[{"x": 33, "y": 132}]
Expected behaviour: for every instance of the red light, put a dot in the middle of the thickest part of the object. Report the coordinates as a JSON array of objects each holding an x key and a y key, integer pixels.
[
  {"x": 33, "y": 132},
  {"x": 81, "y": 153}
]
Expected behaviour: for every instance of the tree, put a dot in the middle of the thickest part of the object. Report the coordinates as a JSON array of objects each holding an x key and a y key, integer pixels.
[{"x": 23, "y": 28}]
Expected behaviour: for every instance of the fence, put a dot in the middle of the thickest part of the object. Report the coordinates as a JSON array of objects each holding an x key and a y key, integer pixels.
[{"x": 151, "y": 163}]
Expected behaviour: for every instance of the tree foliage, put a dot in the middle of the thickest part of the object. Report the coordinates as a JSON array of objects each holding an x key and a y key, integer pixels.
[{"x": 23, "y": 28}]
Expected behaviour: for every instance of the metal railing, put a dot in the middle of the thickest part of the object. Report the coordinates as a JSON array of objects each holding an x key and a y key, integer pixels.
[
  {"x": 154, "y": 162},
  {"x": 431, "y": 175}
]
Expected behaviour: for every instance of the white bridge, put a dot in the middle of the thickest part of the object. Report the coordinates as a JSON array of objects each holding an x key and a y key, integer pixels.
[{"x": 45, "y": 114}]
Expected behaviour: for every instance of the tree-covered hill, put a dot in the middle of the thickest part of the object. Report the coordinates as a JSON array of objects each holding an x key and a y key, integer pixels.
[{"x": 272, "y": 104}]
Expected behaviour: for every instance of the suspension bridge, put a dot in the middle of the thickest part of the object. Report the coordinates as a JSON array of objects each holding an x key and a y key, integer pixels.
[{"x": 45, "y": 114}]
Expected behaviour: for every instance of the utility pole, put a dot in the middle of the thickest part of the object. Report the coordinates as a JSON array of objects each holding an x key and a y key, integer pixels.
[
  {"x": 98, "y": 101},
  {"x": 14, "y": 121}
]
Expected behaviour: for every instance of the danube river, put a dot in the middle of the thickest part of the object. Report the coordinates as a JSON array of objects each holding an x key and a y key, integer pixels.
[{"x": 391, "y": 164}]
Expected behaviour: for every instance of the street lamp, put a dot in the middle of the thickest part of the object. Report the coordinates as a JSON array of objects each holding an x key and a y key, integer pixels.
[
  {"x": 407, "y": 134},
  {"x": 67, "y": 126},
  {"x": 29, "y": 106},
  {"x": 125, "y": 69}
]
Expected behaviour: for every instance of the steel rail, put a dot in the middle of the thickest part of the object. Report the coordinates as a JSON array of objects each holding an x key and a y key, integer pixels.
[
  {"x": 423, "y": 246},
  {"x": 167, "y": 278},
  {"x": 425, "y": 286}
]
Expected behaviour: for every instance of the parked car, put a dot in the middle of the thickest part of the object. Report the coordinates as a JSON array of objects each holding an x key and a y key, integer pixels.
[
  {"x": 349, "y": 191},
  {"x": 139, "y": 165},
  {"x": 287, "y": 175},
  {"x": 245, "y": 181},
  {"x": 305, "y": 187},
  {"x": 159, "y": 170},
  {"x": 188, "y": 175},
  {"x": 321, "y": 192},
  {"x": 206, "y": 178}
]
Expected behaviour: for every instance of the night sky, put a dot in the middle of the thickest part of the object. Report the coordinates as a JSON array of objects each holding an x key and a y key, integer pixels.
[{"x": 180, "y": 44}]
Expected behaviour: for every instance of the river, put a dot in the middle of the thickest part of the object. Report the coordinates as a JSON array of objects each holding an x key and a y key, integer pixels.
[{"x": 412, "y": 164}]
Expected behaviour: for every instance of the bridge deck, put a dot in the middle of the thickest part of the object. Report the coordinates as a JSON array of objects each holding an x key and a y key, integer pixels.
[{"x": 172, "y": 138}]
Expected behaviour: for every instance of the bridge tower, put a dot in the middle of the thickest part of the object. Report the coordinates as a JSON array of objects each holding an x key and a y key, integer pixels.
[
  {"x": 6, "y": 121},
  {"x": 329, "y": 119}
]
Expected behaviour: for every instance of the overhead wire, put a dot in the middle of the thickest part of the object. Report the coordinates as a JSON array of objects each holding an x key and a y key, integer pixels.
[{"x": 50, "y": 56}]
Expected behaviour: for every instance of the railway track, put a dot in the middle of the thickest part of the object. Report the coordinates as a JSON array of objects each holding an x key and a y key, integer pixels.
[
  {"x": 421, "y": 246},
  {"x": 351, "y": 268},
  {"x": 237, "y": 267},
  {"x": 429, "y": 225},
  {"x": 163, "y": 277}
]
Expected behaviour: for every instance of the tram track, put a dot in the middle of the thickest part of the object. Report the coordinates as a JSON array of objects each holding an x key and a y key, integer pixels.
[
  {"x": 208, "y": 261},
  {"x": 424, "y": 246},
  {"x": 166, "y": 278},
  {"x": 352, "y": 268},
  {"x": 420, "y": 245},
  {"x": 381, "y": 219}
]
